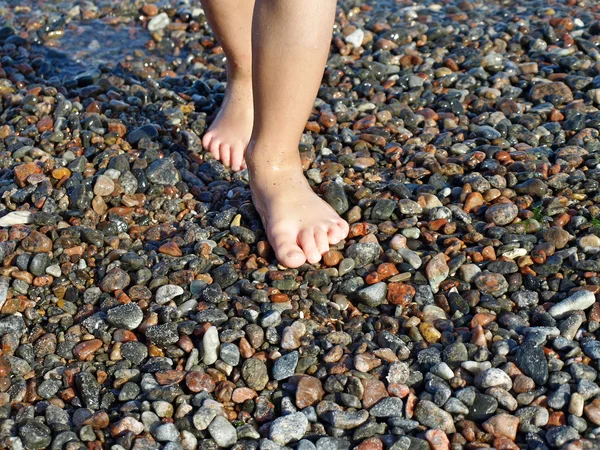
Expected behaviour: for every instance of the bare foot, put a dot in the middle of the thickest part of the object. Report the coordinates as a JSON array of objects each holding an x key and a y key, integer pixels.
[
  {"x": 228, "y": 136},
  {"x": 300, "y": 225}
]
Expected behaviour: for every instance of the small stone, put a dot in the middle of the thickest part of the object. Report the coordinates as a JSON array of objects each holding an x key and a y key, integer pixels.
[
  {"x": 115, "y": 279},
  {"x": 530, "y": 358},
  {"x": 437, "y": 271},
  {"x": 210, "y": 346},
  {"x": 356, "y": 38},
  {"x": 128, "y": 316},
  {"x": 592, "y": 411},
  {"x": 222, "y": 432},
  {"x": 502, "y": 213},
  {"x": 432, "y": 416},
  {"x": 158, "y": 22},
  {"x": 291, "y": 336},
  {"x": 502, "y": 425},
  {"x": 203, "y": 418},
  {"x": 288, "y": 428},
  {"x": 85, "y": 349},
  {"x": 16, "y": 218},
  {"x": 542, "y": 91},
  {"x": 557, "y": 236},
  {"x": 373, "y": 295},
  {"x": 491, "y": 283},
  {"x": 162, "y": 171},
  {"x": 35, "y": 435},
  {"x": 579, "y": 301},
  {"x": 255, "y": 374},
  {"x": 387, "y": 407},
  {"x": 104, "y": 186},
  {"x": 167, "y": 432},
  {"x": 171, "y": 249},
  {"x": 23, "y": 171},
  {"x": 308, "y": 392},
  {"x": 285, "y": 366},
  {"x": 165, "y": 294},
  {"x": 37, "y": 242}
]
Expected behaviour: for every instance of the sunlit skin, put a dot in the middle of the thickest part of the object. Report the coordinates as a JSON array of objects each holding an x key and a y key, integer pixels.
[{"x": 289, "y": 46}]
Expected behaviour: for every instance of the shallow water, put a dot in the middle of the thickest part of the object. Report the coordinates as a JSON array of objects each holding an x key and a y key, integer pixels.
[
  {"x": 80, "y": 45},
  {"x": 76, "y": 45},
  {"x": 87, "y": 44}
]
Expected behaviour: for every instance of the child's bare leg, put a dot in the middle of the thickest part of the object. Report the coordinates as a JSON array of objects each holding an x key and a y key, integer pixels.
[
  {"x": 290, "y": 43},
  {"x": 228, "y": 137}
]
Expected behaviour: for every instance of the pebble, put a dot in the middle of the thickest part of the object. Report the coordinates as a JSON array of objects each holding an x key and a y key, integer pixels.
[
  {"x": 255, "y": 374},
  {"x": 222, "y": 432},
  {"x": 288, "y": 428},
  {"x": 210, "y": 346},
  {"x": 165, "y": 294},
  {"x": 579, "y": 301}
]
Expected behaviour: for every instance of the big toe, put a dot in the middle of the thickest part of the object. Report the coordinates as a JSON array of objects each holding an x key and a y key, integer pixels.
[
  {"x": 287, "y": 250},
  {"x": 337, "y": 231}
]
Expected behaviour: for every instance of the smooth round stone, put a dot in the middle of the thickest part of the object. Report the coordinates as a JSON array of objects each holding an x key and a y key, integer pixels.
[
  {"x": 230, "y": 354},
  {"x": 222, "y": 432},
  {"x": 34, "y": 434},
  {"x": 128, "y": 316},
  {"x": 166, "y": 293},
  {"x": 288, "y": 428},
  {"x": 115, "y": 279},
  {"x": 502, "y": 213},
  {"x": 39, "y": 264},
  {"x": 134, "y": 351},
  {"x": 255, "y": 374},
  {"x": 210, "y": 346},
  {"x": 104, "y": 186},
  {"x": 167, "y": 432},
  {"x": 163, "y": 172}
]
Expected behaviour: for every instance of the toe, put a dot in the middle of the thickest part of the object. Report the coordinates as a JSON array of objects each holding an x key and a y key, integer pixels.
[
  {"x": 337, "y": 231},
  {"x": 287, "y": 250},
  {"x": 237, "y": 156},
  {"x": 322, "y": 240},
  {"x": 333, "y": 234},
  {"x": 309, "y": 246},
  {"x": 225, "y": 154},
  {"x": 344, "y": 228},
  {"x": 215, "y": 145},
  {"x": 206, "y": 140}
]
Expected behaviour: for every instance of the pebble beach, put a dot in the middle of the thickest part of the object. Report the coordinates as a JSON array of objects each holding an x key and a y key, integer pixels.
[{"x": 141, "y": 307}]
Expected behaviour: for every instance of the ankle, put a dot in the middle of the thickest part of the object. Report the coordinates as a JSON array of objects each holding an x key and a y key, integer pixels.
[{"x": 266, "y": 161}]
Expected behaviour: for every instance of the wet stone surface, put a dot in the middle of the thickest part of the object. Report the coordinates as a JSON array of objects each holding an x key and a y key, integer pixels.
[{"x": 142, "y": 308}]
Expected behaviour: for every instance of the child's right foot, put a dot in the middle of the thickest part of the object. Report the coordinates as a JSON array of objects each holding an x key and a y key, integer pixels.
[
  {"x": 300, "y": 225},
  {"x": 229, "y": 134}
]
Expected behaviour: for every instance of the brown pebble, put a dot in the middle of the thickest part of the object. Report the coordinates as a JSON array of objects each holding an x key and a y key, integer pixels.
[
  {"x": 84, "y": 350},
  {"x": 37, "y": 242},
  {"x": 308, "y": 392},
  {"x": 23, "y": 171},
  {"x": 171, "y": 249}
]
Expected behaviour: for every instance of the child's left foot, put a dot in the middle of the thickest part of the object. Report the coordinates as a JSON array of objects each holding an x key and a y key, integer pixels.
[
  {"x": 230, "y": 132},
  {"x": 299, "y": 224}
]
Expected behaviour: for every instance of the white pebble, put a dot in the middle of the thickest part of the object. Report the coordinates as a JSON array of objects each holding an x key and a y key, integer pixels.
[
  {"x": 16, "y": 218},
  {"x": 210, "y": 346},
  {"x": 579, "y": 301},
  {"x": 356, "y": 38}
]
